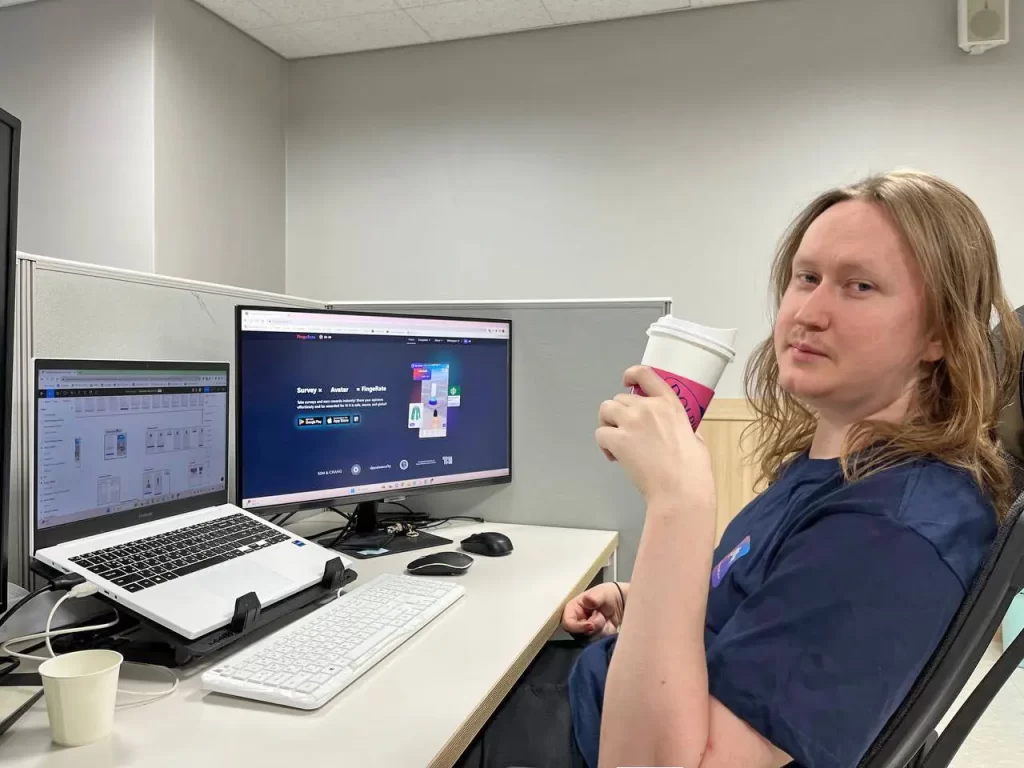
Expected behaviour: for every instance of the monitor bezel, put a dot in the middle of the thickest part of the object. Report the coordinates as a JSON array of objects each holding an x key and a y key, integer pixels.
[
  {"x": 60, "y": 534},
  {"x": 6, "y": 420},
  {"x": 350, "y": 499}
]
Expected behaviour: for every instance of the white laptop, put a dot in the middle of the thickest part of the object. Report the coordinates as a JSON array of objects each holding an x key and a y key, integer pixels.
[{"x": 131, "y": 481}]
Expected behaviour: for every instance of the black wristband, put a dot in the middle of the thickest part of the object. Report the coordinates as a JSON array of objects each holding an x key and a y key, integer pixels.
[{"x": 622, "y": 597}]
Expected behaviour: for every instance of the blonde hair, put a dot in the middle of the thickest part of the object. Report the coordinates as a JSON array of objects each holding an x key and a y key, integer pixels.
[{"x": 955, "y": 412}]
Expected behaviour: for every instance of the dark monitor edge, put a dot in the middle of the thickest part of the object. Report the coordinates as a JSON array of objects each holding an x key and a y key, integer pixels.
[{"x": 10, "y": 259}]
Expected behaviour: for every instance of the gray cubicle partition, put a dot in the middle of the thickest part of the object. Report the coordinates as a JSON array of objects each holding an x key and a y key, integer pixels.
[
  {"x": 69, "y": 309},
  {"x": 567, "y": 358}
]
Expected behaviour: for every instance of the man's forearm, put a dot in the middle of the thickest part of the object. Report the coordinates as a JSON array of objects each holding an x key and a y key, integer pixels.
[{"x": 656, "y": 704}]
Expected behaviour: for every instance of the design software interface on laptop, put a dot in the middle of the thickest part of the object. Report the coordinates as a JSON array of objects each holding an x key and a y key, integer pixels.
[{"x": 116, "y": 440}]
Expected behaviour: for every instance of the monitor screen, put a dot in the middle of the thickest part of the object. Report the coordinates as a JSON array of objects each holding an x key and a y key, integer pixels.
[
  {"x": 123, "y": 443},
  {"x": 10, "y": 130},
  {"x": 336, "y": 407}
]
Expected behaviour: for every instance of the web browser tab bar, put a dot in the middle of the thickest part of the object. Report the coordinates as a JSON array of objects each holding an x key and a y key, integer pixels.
[
  {"x": 93, "y": 379},
  {"x": 370, "y": 325}
]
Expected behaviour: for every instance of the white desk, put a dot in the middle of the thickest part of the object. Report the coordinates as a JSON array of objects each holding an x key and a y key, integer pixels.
[{"x": 419, "y": 707}]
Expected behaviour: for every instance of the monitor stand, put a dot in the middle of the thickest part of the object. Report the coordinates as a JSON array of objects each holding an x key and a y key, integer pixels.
[
  {"x": 368, "y": 542},
  {"x": 366, "y": 517}
]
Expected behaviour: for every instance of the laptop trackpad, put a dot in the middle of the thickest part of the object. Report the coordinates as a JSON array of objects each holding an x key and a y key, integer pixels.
[{"x": 233, "y": 582}]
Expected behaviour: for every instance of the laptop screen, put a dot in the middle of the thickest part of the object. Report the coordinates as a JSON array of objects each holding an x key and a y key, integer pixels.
[{"x": 120, "y": 443}]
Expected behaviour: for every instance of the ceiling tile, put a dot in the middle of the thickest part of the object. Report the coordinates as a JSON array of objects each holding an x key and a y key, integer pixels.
[
  {"x": 242, "y": 13},
  {"x": 361, "y": 33},
  {"x": 418, "y": 3},
  {"x": 704, "y": 3},
  {"x": 575, "y": 11},
  {"x": 284, "y": 40},
  {"x": 300, "y": 11},
  {"x": 471, "y": 18}
]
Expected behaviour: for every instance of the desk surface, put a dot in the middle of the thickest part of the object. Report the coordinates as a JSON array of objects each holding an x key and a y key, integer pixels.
[{"x": 420, "y": 706}]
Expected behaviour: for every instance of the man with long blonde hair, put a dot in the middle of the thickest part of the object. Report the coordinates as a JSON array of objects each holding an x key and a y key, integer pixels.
[{"x": 878, "y": 397}]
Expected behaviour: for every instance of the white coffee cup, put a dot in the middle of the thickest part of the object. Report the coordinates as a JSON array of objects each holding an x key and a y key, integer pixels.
[
  {"x": 691, "y": 359},
  {"x": 80, "y": 690}
]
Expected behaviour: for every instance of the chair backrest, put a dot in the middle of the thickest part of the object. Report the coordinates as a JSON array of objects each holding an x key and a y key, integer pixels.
[
  {"x": 1018, "y": 474},
  {"x": 1011, "y": 427},
  {"x": 951, "y": 665},
  {"x": 908, "y": 739}
]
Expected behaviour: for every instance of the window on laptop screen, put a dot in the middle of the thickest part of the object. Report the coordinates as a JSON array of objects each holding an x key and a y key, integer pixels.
[
  {"x": 345, "y": 407},
  {"x": 118, "y": 444}
]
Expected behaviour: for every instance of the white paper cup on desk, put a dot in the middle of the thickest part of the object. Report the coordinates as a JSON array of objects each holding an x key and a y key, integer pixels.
[
  {"x": 691, "y": 359},
  {"x": 81, "y": 690}
]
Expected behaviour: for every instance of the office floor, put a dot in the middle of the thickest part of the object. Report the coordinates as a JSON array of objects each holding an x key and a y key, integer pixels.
[{"x": 997, "y": 741}]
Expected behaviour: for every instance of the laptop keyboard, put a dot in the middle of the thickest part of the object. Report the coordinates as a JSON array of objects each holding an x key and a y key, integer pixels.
[{"x": 153, "y": 560}]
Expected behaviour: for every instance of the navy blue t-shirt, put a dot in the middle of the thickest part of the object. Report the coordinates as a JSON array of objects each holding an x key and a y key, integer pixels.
[{"x": 826, "y": 599}]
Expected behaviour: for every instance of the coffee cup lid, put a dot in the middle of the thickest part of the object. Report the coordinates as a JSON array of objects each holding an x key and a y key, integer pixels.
[{"x": 718, "y": 340}]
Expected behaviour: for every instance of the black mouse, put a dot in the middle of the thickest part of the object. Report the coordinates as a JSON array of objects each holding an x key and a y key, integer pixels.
[
  {"x": 440, "y": 564},
  {"x": 490, "y": 543}
]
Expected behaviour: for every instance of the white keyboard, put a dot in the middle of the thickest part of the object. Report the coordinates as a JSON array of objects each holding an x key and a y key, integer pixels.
[{"x": 312, "y": 660}]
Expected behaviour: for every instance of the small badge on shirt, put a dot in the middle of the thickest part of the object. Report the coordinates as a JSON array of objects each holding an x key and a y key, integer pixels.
[{"x": 719, "y": 571}]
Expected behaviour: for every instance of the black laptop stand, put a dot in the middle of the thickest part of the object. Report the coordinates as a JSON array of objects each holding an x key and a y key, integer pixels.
[{"x": 138, "y": 638}]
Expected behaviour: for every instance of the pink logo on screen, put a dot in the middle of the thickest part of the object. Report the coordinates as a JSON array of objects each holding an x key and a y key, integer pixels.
[{"x": 695, "y": 397}]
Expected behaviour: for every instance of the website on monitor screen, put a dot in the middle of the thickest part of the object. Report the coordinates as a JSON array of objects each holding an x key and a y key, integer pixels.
[{"x": 335, "y": 405}]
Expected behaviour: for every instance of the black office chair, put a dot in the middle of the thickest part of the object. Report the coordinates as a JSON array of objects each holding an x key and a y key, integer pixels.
[{"x": 909, "y": 739}]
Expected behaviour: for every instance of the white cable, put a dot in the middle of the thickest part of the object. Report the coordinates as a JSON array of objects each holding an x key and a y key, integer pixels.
[
  {"x": 80, "y": 590},
  {"x": 153, "y": 696},
  {"x": 49, "y": 619},
  {"x": 6, "y": 647},
  {"x": 84, "y": 590}
]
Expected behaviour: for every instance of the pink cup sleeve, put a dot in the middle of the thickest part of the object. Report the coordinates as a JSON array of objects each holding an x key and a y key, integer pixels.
[{"x": 695, "y": 397}]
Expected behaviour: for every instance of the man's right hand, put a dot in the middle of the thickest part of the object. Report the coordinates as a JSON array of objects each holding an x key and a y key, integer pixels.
[{"x": 597, "y": 612}]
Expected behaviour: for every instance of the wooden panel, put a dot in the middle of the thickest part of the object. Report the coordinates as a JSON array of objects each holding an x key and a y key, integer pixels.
[{"x": 722, "y": 429}]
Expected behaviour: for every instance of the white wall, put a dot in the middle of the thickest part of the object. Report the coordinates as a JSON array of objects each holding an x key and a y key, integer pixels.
[
  {"x": 652, "y": 156},
  {"x": 80, "y": 76},
  {"x": 220, "y": 149}
]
